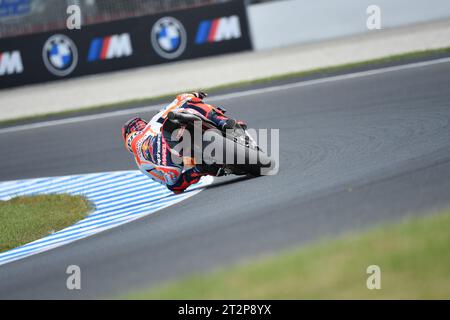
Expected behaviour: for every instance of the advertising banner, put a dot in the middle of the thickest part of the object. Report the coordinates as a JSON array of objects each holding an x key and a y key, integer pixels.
[{"x": 123, "y": 44}]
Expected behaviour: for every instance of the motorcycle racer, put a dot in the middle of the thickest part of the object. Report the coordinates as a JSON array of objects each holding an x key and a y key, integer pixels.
[{"x": 152, "y": 153}]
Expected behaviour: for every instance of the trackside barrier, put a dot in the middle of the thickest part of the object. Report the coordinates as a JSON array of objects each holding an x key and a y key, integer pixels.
[
  {"x": 123, "y": 44},
  {"x": 282, "y": 23}
]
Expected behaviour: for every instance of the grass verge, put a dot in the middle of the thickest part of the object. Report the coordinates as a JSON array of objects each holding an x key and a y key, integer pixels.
[
  {"x": 414, "y": 257},
  {"x": 152, "y": 100},
  {"x": 25, "y": 219}
]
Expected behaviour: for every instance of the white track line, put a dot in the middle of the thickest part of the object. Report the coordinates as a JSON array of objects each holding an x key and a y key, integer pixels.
[{"x": 228, "y": 95}]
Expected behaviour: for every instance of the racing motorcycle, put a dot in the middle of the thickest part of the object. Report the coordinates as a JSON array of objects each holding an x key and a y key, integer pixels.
[{"x": 234, "y": 150}]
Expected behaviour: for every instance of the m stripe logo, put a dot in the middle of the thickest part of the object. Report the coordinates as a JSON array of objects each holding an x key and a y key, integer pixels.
[
  {"x": 220, "y": 29},
  {"x": 110, "y": 47},
  {"x": 10, "y": 63}
]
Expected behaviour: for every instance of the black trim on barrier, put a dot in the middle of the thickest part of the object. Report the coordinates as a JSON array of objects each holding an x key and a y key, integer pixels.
[{"x": 123, "y": 44}]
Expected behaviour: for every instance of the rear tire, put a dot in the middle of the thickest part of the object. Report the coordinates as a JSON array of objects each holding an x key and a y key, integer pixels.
[{"x": 245, "y": 160}]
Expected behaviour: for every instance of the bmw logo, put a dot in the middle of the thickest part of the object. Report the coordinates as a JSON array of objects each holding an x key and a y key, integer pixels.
[
  {"x": 60, "y": 55},
  {"x": 168, "y": 37}
]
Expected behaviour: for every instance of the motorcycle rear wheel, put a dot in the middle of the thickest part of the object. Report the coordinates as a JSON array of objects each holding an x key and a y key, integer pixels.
[{"x": 245, "y": 160}]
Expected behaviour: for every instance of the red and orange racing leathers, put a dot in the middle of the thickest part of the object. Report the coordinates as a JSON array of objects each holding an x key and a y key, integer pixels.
[{"x": 153, "y": 154}]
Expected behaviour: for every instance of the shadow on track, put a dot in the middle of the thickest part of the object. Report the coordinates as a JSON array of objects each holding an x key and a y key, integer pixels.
[{"x": 227, "y": 182}]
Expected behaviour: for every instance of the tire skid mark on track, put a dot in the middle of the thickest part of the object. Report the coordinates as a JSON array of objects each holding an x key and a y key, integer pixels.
[{"x": 106, "y": 215}]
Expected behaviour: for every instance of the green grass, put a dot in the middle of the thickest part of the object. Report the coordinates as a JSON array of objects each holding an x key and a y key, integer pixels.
[
  {"x": 414, "y": 257},
  {"x": 25, "y": 219},
  {"x": 152, "y": 100}
]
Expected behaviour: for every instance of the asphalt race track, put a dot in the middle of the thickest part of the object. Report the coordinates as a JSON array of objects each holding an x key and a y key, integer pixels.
[{"x": 354, "y": 152}]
